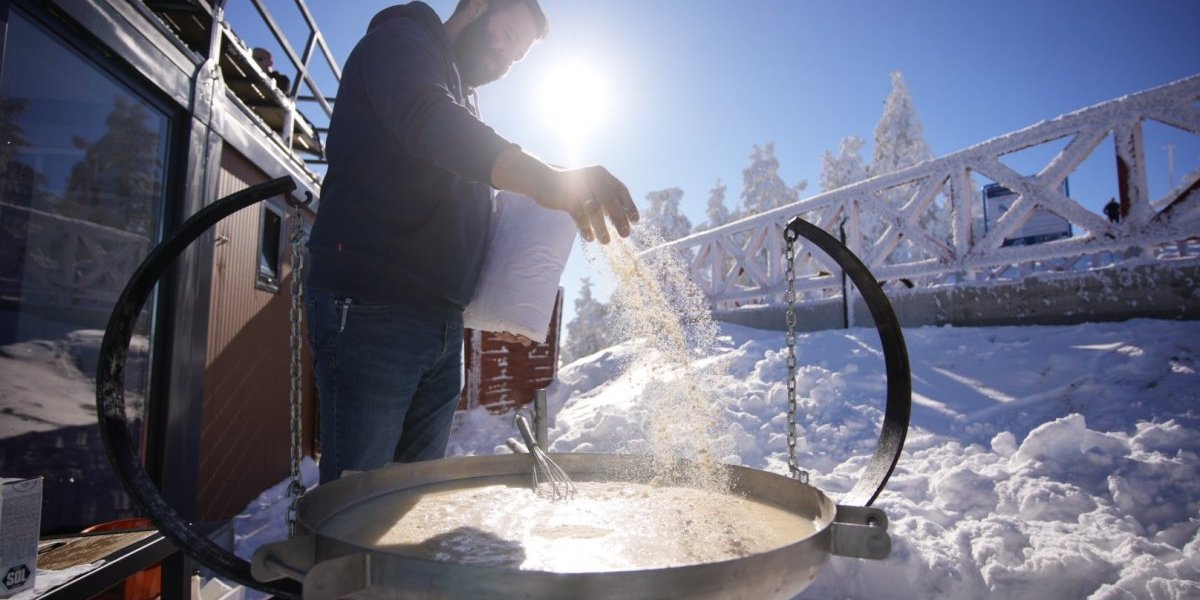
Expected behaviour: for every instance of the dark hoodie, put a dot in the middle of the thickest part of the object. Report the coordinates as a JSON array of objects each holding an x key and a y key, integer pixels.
[{"x": 406, "y": 200}]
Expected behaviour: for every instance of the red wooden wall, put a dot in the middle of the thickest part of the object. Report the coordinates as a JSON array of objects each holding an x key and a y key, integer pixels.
[{"x": 503, "y": 376}]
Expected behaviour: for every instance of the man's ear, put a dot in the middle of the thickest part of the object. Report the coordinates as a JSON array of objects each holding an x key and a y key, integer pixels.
[
  {"x": 478, "y": 8},
  {"x": 465, "y": 14}
]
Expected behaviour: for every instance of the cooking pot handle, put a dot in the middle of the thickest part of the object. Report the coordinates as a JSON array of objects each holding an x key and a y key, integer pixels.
[
  {"x": 295, "y": 559},
  {"x": 110, "y": 390},
  {"x": 895, "y": 356},
  {"x": 860, "y": 532},
  {"x": 287, "y": 559}
]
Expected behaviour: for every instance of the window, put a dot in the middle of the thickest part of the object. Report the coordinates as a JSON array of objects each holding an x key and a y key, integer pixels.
[
  {"x": 83, "y": 163},
  {"x": 270, "y": 247}
]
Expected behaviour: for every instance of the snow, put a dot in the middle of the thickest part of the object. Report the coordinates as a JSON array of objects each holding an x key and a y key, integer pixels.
[
  {"x": 716, "y": 211},
  {"x": 263, "y": 520},
  {"x": 662, "y": 219},
  {"x": 846, "y": 168},
  {"x": 1041, "y": 461},
  {"x": 763, "y": 188},
  {"x": 586, "y": 333},
  {"x": 50, "y": 384}
]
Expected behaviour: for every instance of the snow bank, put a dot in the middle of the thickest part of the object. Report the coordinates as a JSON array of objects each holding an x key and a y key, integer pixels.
[{"x": 1042, "y": 462}]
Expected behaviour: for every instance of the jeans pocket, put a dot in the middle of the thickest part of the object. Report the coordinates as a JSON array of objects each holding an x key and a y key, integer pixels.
[
  {"x": 322, "y": 326},
  {"x": 366, "y": 307}
]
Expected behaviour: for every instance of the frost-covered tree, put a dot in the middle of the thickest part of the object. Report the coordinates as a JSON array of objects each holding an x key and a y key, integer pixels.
[
  {"x": 900, "y": 143},
  {"x": 716, "y": 211},
  {"x": 899, "y": 135},
  {"x": 588, "y": 332},
  {"x": 662, "y": 221},
  {"x": 763, "y": 188},
  {"x": 19, "y": 181},
  {"x": 845, "y": 168},
  {"x": 116, "y": 183}
]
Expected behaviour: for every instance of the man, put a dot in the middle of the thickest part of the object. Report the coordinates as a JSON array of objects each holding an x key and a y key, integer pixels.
[
  {"x": 398, "y": 243},
  {"x": 266, "y": 62},
  {"x": 1113, "y": 211}
]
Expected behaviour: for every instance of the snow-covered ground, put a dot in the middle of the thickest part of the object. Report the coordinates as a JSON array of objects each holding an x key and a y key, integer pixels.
[
  {"x": 49, "y": 384},
  {"x": 1042, "y": 462}
]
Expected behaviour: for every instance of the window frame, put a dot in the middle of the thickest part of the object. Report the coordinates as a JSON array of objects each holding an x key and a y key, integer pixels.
[
  {"x": 91, "y": 51},
  {"x": 266, "y": 281}
]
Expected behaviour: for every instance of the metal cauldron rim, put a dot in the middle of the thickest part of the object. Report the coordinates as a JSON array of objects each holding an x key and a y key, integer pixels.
[{"x": 781, "y": 572}]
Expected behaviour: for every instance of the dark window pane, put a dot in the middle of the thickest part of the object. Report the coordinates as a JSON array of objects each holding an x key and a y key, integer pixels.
[
  {"x": 268, "y": 245},
  {"x": 82, "y": 163}
]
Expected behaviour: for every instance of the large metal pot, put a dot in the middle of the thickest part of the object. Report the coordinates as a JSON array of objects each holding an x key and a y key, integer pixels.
[
  {"x": 316, "y": 565},
  {"x": 331, "y": 567}
]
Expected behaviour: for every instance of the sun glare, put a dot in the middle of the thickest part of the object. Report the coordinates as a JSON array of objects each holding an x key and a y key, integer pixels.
[{"x": 574, "y": 101}]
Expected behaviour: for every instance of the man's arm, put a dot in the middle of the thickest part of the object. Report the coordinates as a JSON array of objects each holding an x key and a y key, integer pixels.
[
  {"x": 588, "y": 194},
  {"x": 405, "y": 83}
]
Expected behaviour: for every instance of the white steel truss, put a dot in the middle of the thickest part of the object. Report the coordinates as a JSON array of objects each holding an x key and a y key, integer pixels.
[{"x": 740, "y": 264}]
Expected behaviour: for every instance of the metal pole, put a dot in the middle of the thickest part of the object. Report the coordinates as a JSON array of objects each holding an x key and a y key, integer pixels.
[
  {"x": 845, "y": 289},
  {"x": 540, "y": 425},
  {"x": 1171, "y": 164}
]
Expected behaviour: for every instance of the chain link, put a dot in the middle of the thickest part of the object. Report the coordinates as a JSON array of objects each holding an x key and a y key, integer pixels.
[
  {"x": 296, "y": 488},
  {"x": 789, "y": 297}
]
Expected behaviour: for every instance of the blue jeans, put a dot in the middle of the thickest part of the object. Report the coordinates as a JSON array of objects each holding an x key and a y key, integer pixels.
[{"x": 388, "y": 382}]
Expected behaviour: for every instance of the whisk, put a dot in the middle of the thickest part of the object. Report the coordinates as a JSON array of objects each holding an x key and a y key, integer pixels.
[{"x": 557, "y": 484}]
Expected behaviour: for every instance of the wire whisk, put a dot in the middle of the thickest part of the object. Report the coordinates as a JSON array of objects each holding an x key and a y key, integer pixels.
[{"x": 548, "y": 479}]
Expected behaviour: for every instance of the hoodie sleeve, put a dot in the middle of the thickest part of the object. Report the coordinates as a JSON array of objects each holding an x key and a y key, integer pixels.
[{"x": 404, "y": 74}]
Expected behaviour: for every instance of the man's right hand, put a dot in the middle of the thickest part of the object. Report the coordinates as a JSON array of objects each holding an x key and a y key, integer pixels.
[{"x": 588, "y": 194}]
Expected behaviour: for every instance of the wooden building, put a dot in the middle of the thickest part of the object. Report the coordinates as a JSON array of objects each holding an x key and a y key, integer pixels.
[
  {"x": 502, "y": 376},
  {"x": 119, "y": 119}
]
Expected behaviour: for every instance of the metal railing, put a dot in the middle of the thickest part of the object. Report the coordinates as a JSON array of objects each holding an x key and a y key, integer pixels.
[
  {"x": 72, "y": 262},
  {"x": 741, "y": 263},
  {"x": 203, "y": 27},
  {"x": 315, "y": 41}
]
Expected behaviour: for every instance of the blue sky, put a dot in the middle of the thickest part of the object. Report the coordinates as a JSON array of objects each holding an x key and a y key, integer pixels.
[{"x": 693, "y": 85}]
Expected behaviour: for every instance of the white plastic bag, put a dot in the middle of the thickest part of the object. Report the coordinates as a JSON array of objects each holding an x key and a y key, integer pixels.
[{"x": 525, "y": 259}]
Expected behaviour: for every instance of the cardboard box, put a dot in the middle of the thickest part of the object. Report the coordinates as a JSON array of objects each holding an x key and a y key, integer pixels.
[{"x": 20, "y": 524}]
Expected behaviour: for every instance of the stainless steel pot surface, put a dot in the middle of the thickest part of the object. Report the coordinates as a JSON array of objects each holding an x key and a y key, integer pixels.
[{"x": 329, "y": 567}]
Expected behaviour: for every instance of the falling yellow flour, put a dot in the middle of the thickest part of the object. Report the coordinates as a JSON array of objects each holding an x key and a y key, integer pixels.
[{"x": 656, "y": 302}]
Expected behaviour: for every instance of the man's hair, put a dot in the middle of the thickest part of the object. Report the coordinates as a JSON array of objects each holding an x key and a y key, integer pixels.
[{"x": 539, "y": 17}]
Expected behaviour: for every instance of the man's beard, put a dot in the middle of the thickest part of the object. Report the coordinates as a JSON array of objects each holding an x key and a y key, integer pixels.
[{"x": 472, "y": 50}]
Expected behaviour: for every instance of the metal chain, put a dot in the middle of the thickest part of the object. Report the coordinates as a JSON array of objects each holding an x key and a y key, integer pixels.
[
  {"x": 296, "y": 488},
  {"x": 789, "y": 297}
]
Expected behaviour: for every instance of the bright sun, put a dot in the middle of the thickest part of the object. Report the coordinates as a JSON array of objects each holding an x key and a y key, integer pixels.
[{"x": 574, "y": 101}]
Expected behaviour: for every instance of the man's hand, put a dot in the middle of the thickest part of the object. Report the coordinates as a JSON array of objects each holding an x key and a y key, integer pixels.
[{"x": 588, "y": 194}]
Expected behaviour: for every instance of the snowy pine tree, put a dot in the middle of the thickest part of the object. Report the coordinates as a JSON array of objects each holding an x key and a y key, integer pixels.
[
  {"x": 763, "y": 188},
  {"x": 662, "y": 221},
  {"x": 115, "y": 183},
  {"x": 845, "y": 168},
  {"x": 900, "y": 143},
  {"x": 716, "y": 211},
  {"x": 588, "y": 332},
  {"x": 899, "y": 135}
]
